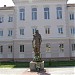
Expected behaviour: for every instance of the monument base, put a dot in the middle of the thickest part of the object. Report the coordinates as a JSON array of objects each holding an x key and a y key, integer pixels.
[{"x": 36, "y": 66}]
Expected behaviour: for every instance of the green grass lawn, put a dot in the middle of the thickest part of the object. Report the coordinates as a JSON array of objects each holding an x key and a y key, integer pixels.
[
  {"x": 26, "y": 64},
  {"x": 59, "y": 63},
  {"x": 14, "y": 64}
]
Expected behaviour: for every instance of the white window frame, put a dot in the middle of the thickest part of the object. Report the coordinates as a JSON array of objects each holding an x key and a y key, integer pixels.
[
  {"x": 1, "y": 32},
  {"x": 59, "y": 12},
  {"x": 73, "y": 47},
  {"x": 10, "y": 48},
  {"x": 46, "y": 13},
  {"x": 72, "y": 30},
  {"x": 10, "y": 32},
  {"x": 22, "y": 47},
  {"x": 22, "y": 13},
  {"x": 22, "y": 31},
  {"x": 1, "y": 19},
  {"x": 34, "y": 13},
  {"x": 71, "y": 16},
  {"x": 34, "y": 28},
  {"x": 60, "y": 29},
  {"x": 10, "y": 18},
  {"x": 47, "y": 29},
  {"x": 1, "y": 49}
]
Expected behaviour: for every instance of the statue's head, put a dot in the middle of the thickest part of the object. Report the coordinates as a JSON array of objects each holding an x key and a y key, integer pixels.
[{"x": 37, "y": 31}]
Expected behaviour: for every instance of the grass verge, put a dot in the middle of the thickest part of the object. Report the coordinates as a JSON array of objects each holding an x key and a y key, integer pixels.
[{"x": 26, "y": 64}]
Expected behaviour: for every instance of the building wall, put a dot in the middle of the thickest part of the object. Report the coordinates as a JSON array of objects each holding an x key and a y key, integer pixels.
[
  {"x": 54, "y": 39},
  {"x": 40, "y": 23}
]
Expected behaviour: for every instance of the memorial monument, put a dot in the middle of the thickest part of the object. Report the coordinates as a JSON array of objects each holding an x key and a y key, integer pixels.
[{"x": 36, "y": 64}]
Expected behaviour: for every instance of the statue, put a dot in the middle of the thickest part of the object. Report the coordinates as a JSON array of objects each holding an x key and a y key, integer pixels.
[
  {"x": 37, "y": 64},
  {"x": 36, "y": 42}
]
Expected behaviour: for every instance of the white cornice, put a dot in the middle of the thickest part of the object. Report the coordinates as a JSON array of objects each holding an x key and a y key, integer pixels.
[{"x": 33, "y": 1}]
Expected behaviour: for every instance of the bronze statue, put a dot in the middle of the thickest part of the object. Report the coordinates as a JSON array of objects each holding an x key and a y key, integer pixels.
[{"x": 36, "y": 42}]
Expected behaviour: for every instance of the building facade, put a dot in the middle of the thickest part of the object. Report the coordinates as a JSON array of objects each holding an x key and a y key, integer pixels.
[{"x": 53, "y": 18}]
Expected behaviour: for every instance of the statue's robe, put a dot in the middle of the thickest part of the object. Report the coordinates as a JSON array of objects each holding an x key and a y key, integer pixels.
[{"x": 37, "y": 42}]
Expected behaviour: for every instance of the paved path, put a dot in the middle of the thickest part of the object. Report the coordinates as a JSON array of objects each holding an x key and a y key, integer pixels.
[{"x": 48, "y": 71}]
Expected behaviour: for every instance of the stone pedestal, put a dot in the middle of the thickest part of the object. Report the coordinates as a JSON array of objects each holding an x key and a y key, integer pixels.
[{"x": 36, "y": 65}]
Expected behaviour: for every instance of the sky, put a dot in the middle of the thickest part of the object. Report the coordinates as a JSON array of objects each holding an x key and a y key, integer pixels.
[{"x": 10, "y": 3}]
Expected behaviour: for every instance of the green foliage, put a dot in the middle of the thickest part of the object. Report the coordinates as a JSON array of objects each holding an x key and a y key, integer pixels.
[{"x": 37, "y": 59}]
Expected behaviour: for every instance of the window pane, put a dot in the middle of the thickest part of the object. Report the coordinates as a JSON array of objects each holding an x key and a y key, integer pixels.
[
  {"x": 59, "y": 12},
  {"x": 34, "y": 13},
  {"x": 21, "y": 31},
  {"x": 22, "y": 14},
  {"x": 34, "y": 30},
  {"x": 10, "y": 19},
  {"x": 46, "y": 13},
  {"x": 1, "y": 32},
  {"x": 73, "y": 47},
  {"x": 47, "y": 30},
  {"x": 1, "y": 19},
  {"x": 60, "y": 30},
  {"x": 21, "y": 48},
  {"x": 72, "y": 16},
  {"x": 73, "y": 30},
  {"x": 10, "y": 48},
  {"x": 10, "y": 32},
  {"x": 1, "y": 49}
]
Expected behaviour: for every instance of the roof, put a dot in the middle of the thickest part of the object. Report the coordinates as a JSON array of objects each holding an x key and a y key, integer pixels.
[
  {"x": 7, "y": 8},
  {"x": 71, "y": 5}
]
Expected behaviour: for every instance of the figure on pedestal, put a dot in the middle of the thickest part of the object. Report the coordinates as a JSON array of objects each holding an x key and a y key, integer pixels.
[
  {"x": 37, "y": 64},
  {"x": 36, "y": 42}
]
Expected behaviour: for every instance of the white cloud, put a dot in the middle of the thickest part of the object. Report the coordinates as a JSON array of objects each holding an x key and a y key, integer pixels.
[
  {"x": 6, "y": 2},
  {"x": 71, "y": 1}
]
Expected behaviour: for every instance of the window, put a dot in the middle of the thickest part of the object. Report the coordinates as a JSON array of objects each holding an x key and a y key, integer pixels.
[
  {"x": 60, "y": 30},
  {"x": 34, "y": 13},
  {"x": 10, "y": 19},
  {"x": 72, "y": 16},
  {"x": 73, "y": 47},
  {"x": 1, "y": 19},
  {"x": 46, "y": 13},
  {"x": 10, "y": 48},
  {"x": 22, "y": 14},
  {"x": 73, "y": 30},
  {"x": 1, "y": 32},
  {"x": 34, "y": 30},
  {"x": 48, "y": 47},
  {"x": 59, "y": 12},
  {"x": 47, "y": 30},
  {"x": 10, "y": 32},
  {"x": 1, "y": 49},
  {"x": 21, "y": 48},
  {"x": 21, "y": 31},
  {"x": 61, "y": 47}
]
